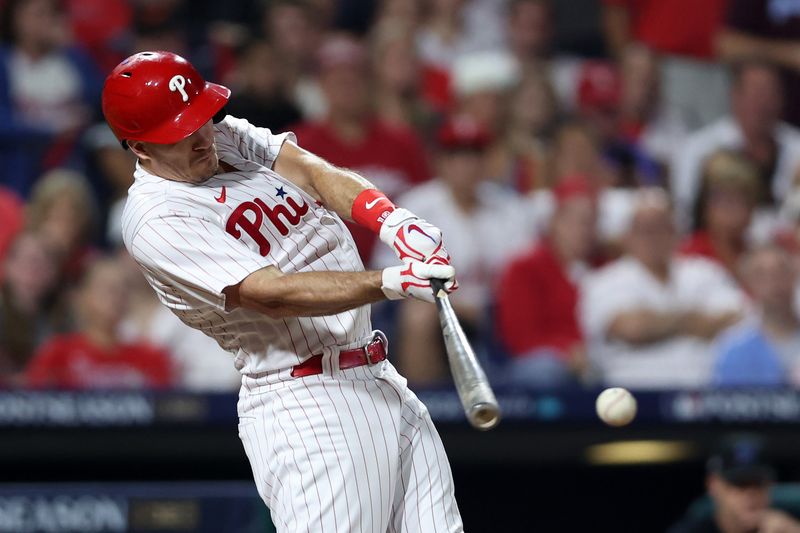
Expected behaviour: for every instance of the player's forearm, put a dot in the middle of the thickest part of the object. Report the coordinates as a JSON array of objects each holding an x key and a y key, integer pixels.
[
  {"x": 339, "y": 188},
  {"x": 307, "y": 293},
  {"x": 732, "y": 45},
  {"x": 336, "y": 187}
]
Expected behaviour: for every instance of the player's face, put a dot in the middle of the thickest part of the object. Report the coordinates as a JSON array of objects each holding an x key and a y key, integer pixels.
[
  {"x": 743, "y": 506},
  {"x": 192, "y": 160}
]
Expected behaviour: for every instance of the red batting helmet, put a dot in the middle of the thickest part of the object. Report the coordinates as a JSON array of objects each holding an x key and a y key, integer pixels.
[{"x": 159, "y": 97}]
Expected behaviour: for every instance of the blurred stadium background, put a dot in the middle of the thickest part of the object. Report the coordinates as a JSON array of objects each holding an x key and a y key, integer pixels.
[{"x": 618, "y": 182}]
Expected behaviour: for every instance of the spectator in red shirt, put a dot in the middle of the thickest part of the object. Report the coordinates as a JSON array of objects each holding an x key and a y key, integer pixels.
[
  {"x": 101, "y": 27},
  {"x": 94, "y": 357},
  {"x": 724, "y": 210},
  {"x": 682, "y": 32},
  {"x": 537, "y": 294},
  {"x": 351, "y": 136}
]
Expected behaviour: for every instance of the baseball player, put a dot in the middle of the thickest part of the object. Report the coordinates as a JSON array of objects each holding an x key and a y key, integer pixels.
[{"x": 239, "y": 231}]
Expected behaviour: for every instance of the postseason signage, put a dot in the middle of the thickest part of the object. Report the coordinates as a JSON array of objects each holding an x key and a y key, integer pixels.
[
  {"x": 199, "y": 507},
  {"x": 62, "y": 512},
  {"x": 762, "y": 406},
  {"x": 114, "y": 408},
  {"x": 143, "y": 409}
]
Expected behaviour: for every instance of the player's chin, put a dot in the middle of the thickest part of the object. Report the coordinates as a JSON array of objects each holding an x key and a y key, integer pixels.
[{"x": 205, "y": 168}]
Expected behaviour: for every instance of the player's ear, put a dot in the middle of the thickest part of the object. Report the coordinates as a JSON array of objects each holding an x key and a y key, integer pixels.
[{"x": 140, "y": 149}]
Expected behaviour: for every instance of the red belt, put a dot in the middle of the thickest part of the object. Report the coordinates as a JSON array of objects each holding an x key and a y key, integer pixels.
[{"x": 372, "y": 353}]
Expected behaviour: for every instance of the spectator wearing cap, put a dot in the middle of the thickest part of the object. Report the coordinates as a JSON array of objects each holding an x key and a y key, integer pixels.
[
  {"x": 454, "y": 28},
  {"x": 724, "y": 210},
  {"x": 764, "y": 350},
  {"x": 537, "y": 294},
  {"x": 753, "y": 128},
  {"x": 481, "y": 85},
  {"x": 682, "y": 33},
  {"x": 485, "y": 225},
  {"x": 48, "y": 91},
  {"x": 739, "y": 482},
  {"x": 102, "y": 28},
  {"x": 649, "y": 316},
  {"x": 94, "y": 356},
  {"x": 30, "y": 309},
  {"x": 352, "y": 136}
]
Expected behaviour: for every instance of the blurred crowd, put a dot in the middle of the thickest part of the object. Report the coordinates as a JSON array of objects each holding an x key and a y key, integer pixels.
[{"x": 622, "y": 206}]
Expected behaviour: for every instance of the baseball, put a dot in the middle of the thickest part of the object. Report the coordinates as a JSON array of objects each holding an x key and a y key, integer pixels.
[{"x": 616, "y": 406}]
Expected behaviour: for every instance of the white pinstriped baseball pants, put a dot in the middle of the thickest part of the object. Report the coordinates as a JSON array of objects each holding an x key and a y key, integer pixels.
[{"x": 346, "y": 451}]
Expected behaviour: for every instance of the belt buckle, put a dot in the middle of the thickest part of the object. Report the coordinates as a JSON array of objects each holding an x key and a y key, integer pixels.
[{"x": 368, "y": 350}]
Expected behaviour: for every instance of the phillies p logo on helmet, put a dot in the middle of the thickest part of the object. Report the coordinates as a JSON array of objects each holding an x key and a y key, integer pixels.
[{"x": 177, "y": 83}]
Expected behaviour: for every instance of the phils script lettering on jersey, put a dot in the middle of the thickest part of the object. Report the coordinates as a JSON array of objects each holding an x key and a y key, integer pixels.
[{"x": 249, "y": 217}]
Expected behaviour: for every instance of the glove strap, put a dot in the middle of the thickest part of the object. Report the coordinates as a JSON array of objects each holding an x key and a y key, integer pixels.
[{"x": 370, "y": 209}]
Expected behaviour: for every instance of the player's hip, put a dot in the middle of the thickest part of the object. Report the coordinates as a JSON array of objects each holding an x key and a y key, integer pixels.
[{"x": 335, "y": 366}]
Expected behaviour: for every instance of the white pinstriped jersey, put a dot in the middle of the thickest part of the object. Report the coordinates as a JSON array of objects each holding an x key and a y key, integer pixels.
[{"x": 193, "y": 241}]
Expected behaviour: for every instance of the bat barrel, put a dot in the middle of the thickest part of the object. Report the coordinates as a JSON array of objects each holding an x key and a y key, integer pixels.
[{"x": 477, "y": 398}]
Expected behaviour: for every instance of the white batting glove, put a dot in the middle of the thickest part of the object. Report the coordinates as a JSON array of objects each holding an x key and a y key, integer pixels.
[
  {"x": 413, "y": 280},
  {"x": 413, "y": 239}
]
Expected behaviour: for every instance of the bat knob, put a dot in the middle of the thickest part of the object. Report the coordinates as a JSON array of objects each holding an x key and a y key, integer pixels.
[
  {"x": 438, "y": 287},
  {"x": 484, "y": 416}
]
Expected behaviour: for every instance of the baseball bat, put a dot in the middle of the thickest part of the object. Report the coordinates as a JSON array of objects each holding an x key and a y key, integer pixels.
[{"x": 473, "y": 387}]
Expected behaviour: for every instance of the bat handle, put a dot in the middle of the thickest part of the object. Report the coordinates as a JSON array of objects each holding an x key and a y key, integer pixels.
[{"x": 437, "y": 285}]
